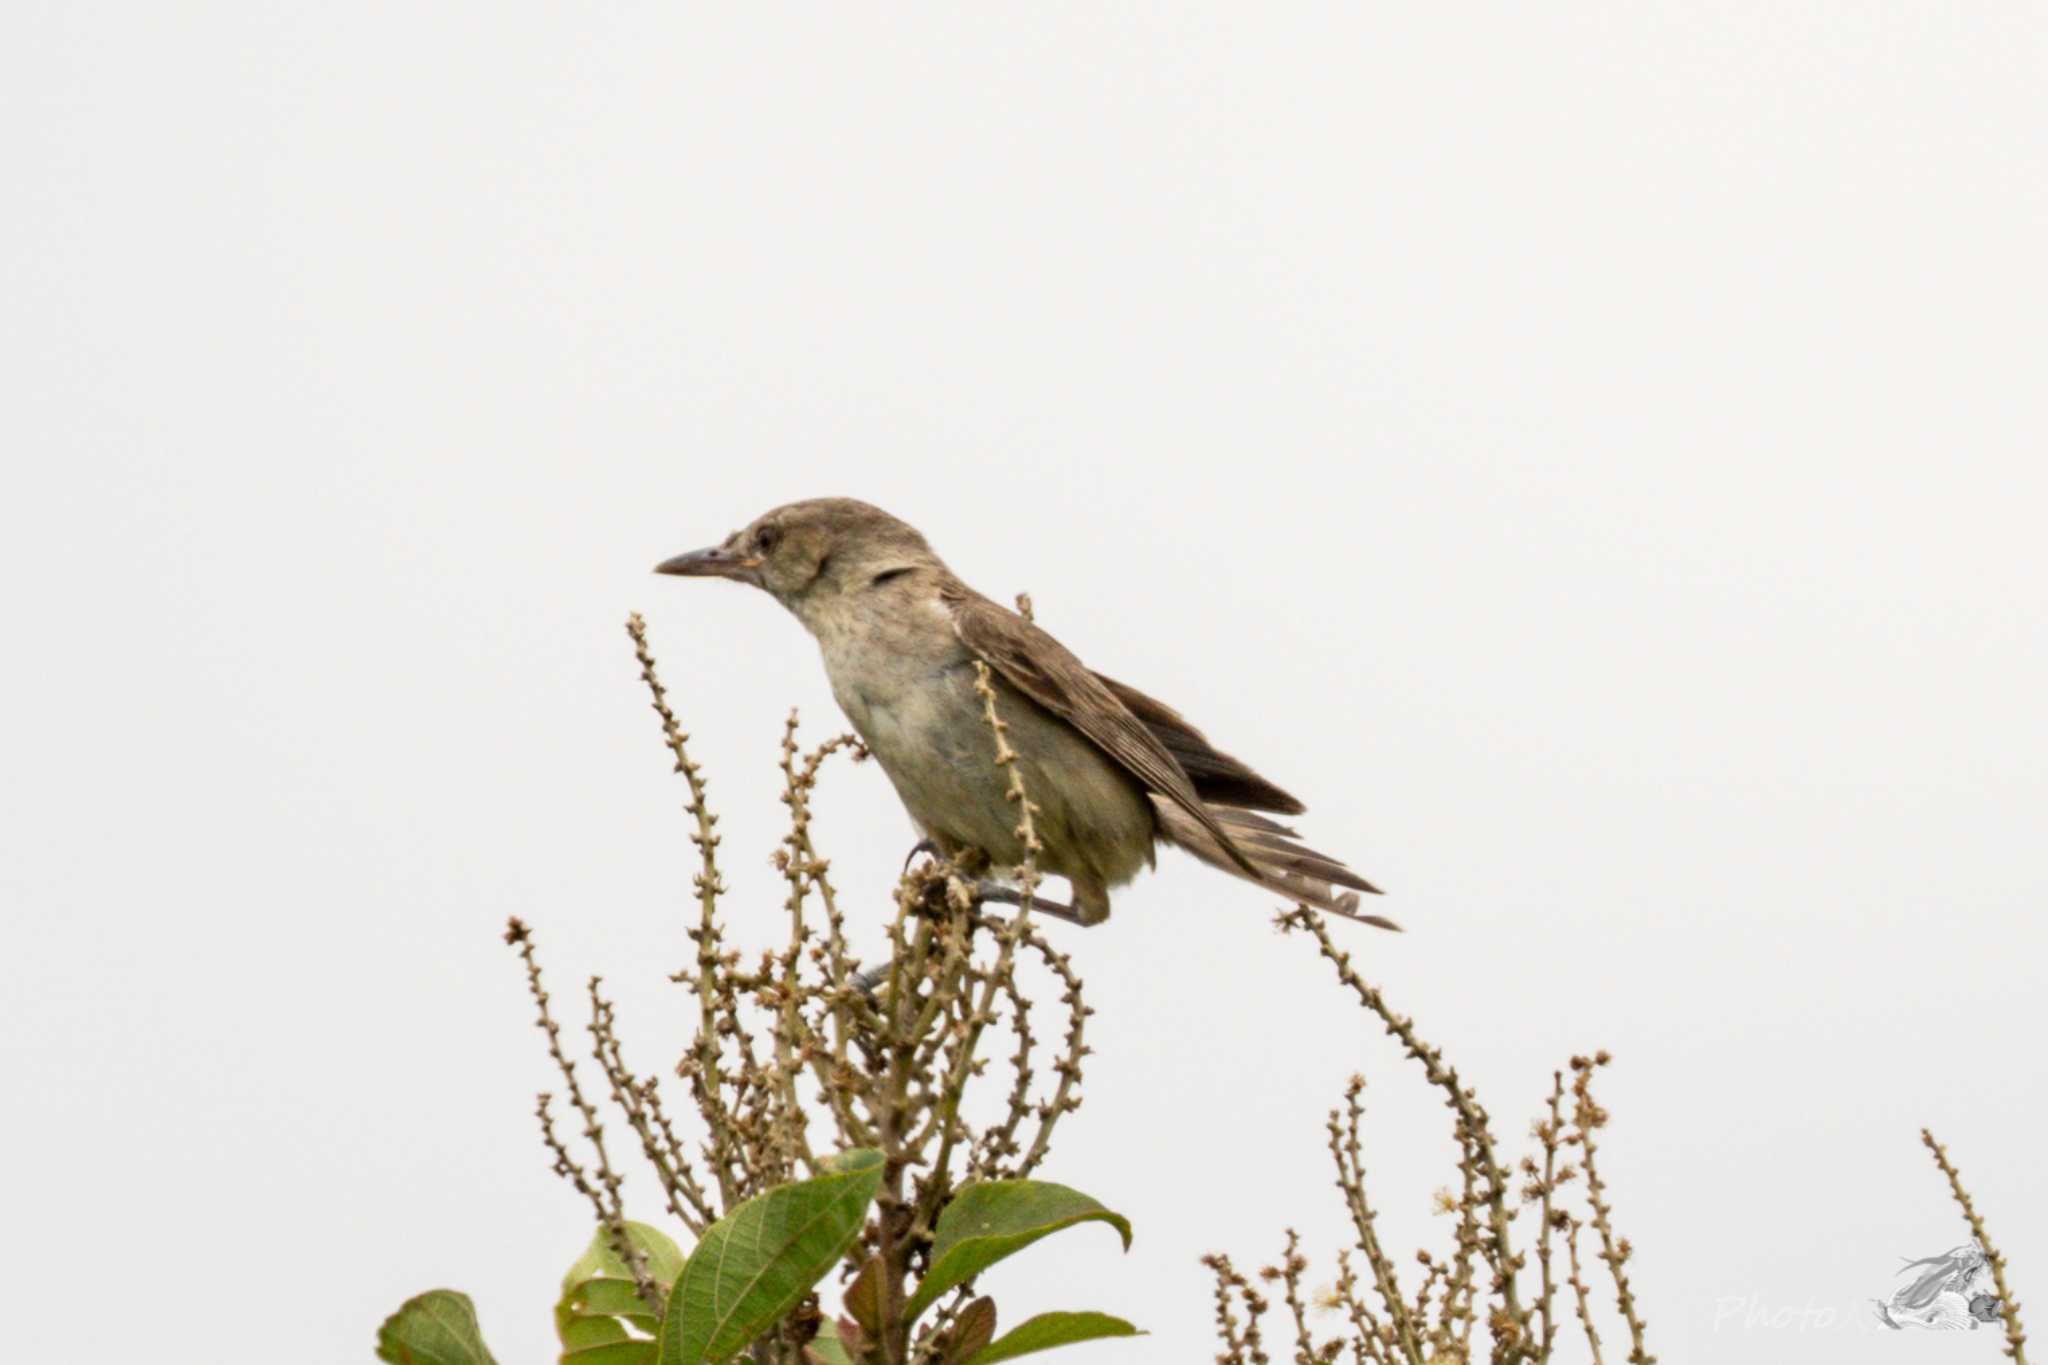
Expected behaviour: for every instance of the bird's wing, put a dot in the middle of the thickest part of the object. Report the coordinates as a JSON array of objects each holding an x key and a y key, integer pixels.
[
  {"x": 1218, "y": 777},
  {"x": 1044, "y": 670}
]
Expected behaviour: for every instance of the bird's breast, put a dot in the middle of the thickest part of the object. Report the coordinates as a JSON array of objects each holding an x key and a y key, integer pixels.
[
  {"x": 880, "y": 661},
  {"x": 907, "y": 684}
]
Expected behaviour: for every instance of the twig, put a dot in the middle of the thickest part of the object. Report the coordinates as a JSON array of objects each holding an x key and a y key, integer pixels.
[
  {"x": 1587, "y": 1115},
  {"x": 1471, "y": 1116},
  {"x": 603, "y": 1193},
  {"x": 2008, "y": 1307}
]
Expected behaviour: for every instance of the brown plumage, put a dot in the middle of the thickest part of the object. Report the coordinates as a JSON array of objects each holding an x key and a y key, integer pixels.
[
  {"x": 1042, "y": 669},
  {"x": 1112, "y": 771}
]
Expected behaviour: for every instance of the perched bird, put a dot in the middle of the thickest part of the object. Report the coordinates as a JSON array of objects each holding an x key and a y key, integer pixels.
[{"x": 1111, "y": 772}]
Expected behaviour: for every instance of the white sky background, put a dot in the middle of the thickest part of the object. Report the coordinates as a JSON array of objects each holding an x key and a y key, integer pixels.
[{"x": 1593, "y": 455}]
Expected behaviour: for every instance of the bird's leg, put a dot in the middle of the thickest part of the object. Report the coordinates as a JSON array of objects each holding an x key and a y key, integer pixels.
[
  {"x": 998, "y": 894},
  {"x": 1081, "y": 914}
]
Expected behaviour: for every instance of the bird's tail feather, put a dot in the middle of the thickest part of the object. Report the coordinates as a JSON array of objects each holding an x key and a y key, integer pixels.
[{"x": 1284, "y": 866}]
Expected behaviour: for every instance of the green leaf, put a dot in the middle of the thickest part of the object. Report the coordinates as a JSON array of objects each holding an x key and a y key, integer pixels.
[
  {"x": 840, "y": 1163},
  {"x": 997, "y": 1218},
  {"x": 436, "y": 1328},
  {"x": 639, "y": 1351},
  {"x": 827, "y": 1346},
  {"x": 601, "y": 1309},
  {"x": 1048, "y": 1330},
  {"x": 582, "y": 1334},
  {"x": 609, "y": 1299},
  {"x": 758, "y": 1262},
  {"x": 599, "y": 1261}
]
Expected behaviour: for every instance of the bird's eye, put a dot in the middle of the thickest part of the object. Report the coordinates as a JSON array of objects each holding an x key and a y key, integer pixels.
[{"x": 767, "y": 537}]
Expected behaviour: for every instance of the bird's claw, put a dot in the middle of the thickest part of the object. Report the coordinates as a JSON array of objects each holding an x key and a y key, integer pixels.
[{"x": 921, "y": 846}]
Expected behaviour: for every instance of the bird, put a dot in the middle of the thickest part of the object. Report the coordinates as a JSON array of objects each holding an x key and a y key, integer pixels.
[{"x": 1111, "y": 773}]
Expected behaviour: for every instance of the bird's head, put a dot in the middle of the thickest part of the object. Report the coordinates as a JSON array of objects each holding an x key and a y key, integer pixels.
[{"x": 804, "y": 549}]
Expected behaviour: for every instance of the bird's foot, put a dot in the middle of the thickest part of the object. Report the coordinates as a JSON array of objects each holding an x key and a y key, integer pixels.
[{"x": 868, "y": 980}]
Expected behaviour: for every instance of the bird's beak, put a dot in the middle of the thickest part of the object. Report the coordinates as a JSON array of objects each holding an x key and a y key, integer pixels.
[{"x": 714, "y": 562}]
